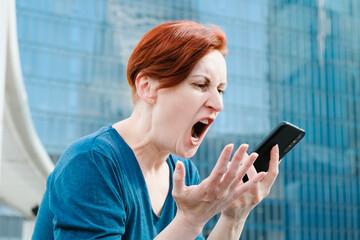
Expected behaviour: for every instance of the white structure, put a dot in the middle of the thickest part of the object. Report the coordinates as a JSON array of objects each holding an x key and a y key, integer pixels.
[{"x": 24, "y": 163}]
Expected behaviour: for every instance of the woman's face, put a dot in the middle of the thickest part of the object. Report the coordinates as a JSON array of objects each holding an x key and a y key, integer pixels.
[{"x": 183, "y": 114}]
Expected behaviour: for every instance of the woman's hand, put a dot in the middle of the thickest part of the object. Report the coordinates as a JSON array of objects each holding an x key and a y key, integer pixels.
[
  {"x": 223, "y": 190},
  {"x": 241, "y": 207}
]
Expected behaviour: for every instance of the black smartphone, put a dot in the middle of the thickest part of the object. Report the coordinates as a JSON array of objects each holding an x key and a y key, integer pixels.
[{"x": 286, "y": 135}]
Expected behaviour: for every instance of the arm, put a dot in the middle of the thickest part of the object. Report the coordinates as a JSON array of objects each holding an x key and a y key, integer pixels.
[
  {"x": 84, "y": 203},
  {"x": 226, "y": 228}
]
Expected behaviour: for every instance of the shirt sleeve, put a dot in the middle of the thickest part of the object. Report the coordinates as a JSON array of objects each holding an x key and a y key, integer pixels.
[{"x": 86, "y": 200}]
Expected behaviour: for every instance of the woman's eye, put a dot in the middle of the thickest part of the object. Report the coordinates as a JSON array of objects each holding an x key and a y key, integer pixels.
[
  {"x": 221, "y": 91},
  {"x": 201, "y": 85}
]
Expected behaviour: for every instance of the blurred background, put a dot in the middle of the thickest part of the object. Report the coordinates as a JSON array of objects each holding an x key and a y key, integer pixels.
[{"x": 292, "y": 60}]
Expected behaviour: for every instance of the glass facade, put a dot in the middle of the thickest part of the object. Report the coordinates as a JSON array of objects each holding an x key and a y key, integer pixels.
[
  {"x": 314, "y": 75},
  {"x": 296, "y": 60}
]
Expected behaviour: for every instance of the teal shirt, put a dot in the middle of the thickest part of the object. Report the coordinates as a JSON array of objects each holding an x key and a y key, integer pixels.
[{"x": 97, "y": 190}]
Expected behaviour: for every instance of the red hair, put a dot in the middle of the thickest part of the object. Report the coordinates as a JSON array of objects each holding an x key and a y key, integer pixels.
[{"x": 170, "y": 51}]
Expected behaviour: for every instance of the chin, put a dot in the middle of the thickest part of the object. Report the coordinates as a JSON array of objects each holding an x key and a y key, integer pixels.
[{"x": 187, "y": 154}]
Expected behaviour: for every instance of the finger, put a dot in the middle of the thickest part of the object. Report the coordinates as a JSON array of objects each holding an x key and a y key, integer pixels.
[
  {"x": 233, "y": 169},
  {"x": 248, "y": 185},
  {"x": 178, "y": 179},
  {"x": 246, "y": 167},
  {"x": 251, "y": 171},
  {"x": 273, "y": 167},
  {"x": 220, "y": 168}
]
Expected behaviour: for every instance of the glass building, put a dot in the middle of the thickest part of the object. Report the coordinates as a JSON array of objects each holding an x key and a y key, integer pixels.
[{"x": 295, "y": 60}]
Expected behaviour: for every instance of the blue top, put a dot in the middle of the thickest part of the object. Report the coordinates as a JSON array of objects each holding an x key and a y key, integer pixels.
[{"x": 97, "y": 190}]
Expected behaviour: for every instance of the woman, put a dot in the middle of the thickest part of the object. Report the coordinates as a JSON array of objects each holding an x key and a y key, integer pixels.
[{"x": 133, "y": 180}]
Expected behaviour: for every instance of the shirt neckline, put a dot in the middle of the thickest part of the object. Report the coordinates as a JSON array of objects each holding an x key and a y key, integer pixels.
[{"x": 138, "y": 169}]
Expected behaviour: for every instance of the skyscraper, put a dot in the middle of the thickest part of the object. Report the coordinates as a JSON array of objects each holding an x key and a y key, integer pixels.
[{"x": 288, "y": 60}]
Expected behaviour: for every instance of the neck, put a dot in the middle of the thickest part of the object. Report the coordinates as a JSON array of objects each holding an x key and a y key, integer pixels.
[{"x": 137, "y": 133}]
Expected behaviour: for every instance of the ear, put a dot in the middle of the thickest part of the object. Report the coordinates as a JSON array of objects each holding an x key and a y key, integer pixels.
[{"x": 146, "y": 88}]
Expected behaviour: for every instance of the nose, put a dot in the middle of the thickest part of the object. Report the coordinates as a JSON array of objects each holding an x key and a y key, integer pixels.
[{"x": 215, "y": 101}]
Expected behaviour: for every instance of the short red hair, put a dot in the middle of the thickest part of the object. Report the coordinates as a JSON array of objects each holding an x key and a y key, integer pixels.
[{"x": 170, "y": 51}]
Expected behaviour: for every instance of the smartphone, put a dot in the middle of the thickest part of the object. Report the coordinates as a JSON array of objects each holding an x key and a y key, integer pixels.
[{"x": 286, "y": 135}]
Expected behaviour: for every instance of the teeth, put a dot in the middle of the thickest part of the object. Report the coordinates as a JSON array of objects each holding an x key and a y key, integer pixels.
[
  {"x": 205, "y": 121},
  {"x": 195, "y": 139}
]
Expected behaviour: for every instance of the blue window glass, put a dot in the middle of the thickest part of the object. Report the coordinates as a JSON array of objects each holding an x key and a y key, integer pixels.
[{"x": 288, "y": 60}]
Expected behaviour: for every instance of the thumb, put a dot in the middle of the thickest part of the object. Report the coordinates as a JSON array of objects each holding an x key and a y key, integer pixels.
[{"x": 178, "y": 179}]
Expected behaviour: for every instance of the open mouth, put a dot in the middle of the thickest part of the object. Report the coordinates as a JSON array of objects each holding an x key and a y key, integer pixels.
[{"x": 198, "y": 129}]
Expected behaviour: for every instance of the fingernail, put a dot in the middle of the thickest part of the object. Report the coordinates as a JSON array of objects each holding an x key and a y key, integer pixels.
[{"x": 177, "y": 166}]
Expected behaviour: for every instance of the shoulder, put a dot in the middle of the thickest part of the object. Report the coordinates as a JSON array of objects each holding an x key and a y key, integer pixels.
[
  {"x": 83, "y": 146},
  {"x": 94, "y": 151}
]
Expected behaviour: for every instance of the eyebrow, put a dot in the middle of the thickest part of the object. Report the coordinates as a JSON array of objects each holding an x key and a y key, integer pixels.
[{"x": 200, "y": 75}]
